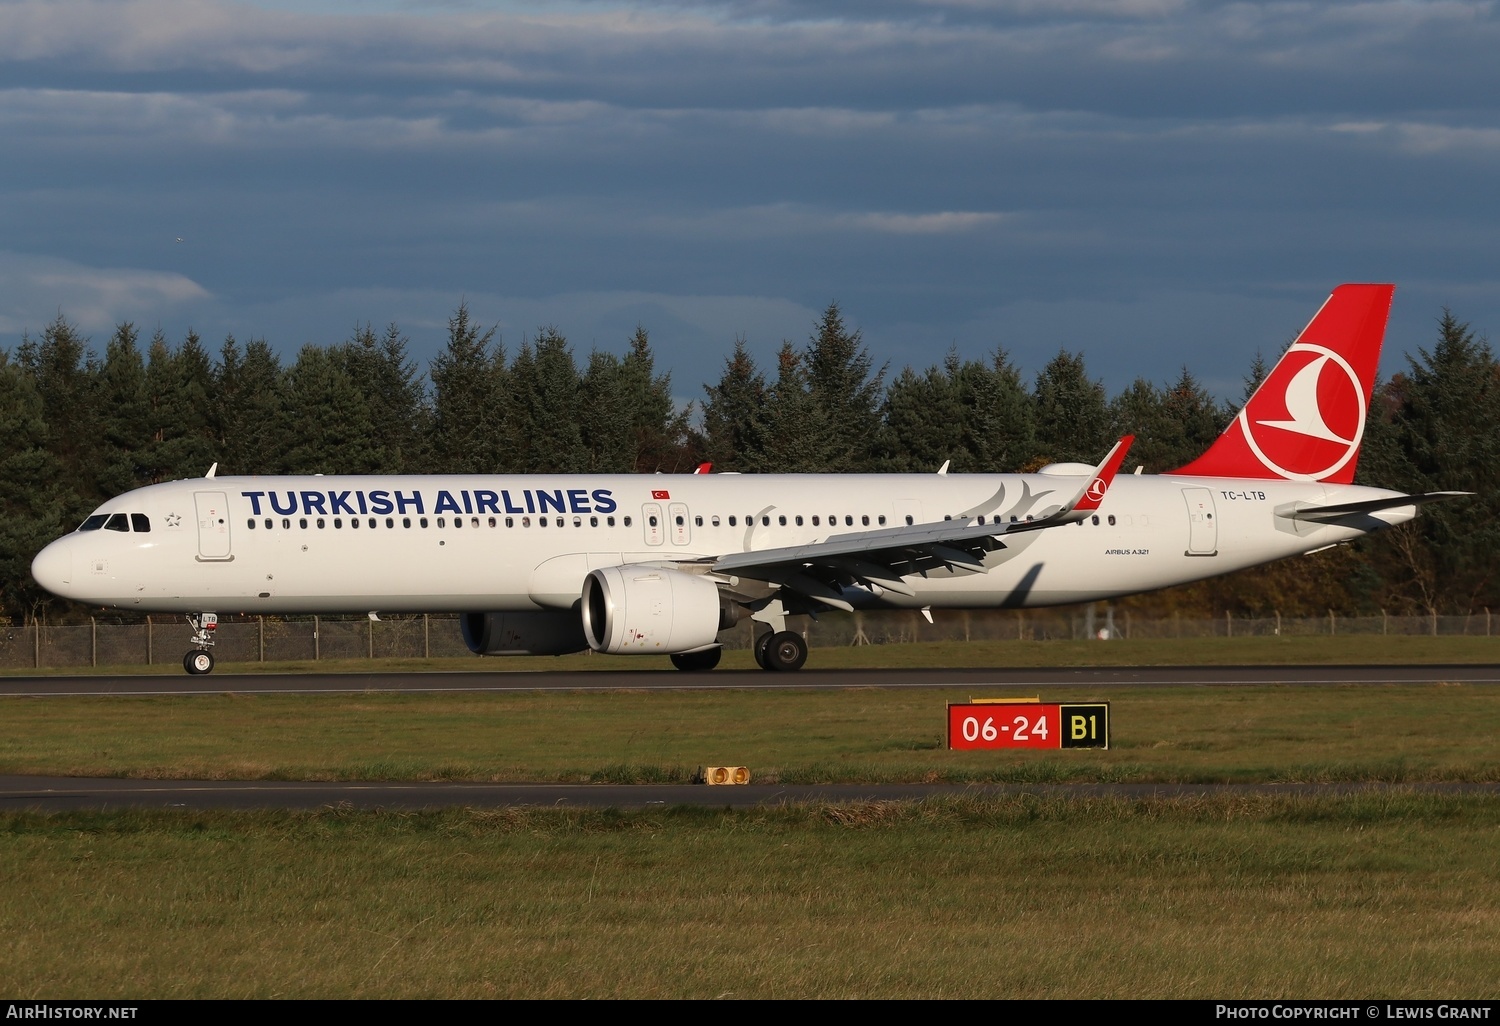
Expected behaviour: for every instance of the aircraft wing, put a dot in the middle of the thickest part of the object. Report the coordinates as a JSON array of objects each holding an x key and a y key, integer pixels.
[
  {"x": 883, "y": 557},
  {"x": 1327, "y": 514}
]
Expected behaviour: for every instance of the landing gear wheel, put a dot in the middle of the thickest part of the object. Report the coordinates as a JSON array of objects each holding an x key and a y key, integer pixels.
[
  {"x": 762, "y": 643},
  {"x": 198, "y": 662},
  {"x": 786, "y": 651},
  {"x": 697, "y": 661}
]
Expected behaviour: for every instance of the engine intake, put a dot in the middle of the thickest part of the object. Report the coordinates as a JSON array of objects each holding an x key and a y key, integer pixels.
[
  {"x": 523, "y": 633},
  {"x": 639, "y": 609}
]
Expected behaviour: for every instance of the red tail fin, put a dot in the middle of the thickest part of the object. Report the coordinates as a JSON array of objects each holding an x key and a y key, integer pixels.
[{"x": 1306, "y": 420}]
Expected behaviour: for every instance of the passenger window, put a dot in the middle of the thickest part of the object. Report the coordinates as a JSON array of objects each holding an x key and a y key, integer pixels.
[
  {"x": 781, "y": 521},
  {"x": 422, "y": 523},
  {"x": 765, "y": 521},
  {"x": 250, "y": 523},
  {"x": 474, "y": 521},
  {"x": 510, "y": 521},
  {"x": 593, "y": 521},
  {"x": 338, "y": 523},
  {"x": 525, "y": 521},
  {"x": 406, "y": 522},
  {"x": 390, "y": 522},
  {"x": 541, "y": 521},
  {"x": 286, "y": 523},
  {"x": 117, "y": 522},
  {"x": 908, "y": 520},
  {"x": 815, "y": 520},
  {"x": 320, "y": 523},
  {"x": 714, "y": 521},
  {"x": 1095, "y": 519},
  {"x": 732, "y": 522},
  {"x": 799, "y": 519},
  {"x": 442, "y": 521},
  {"x": 141, "y": 523},
  {"x": 353, "y": 523},
  {"x": 848, "y": 520},
  {"x": 1111, "y": 520},
  {"x": 610, "y": 522},
  {"x": 458, "y": 522},
  {"x": 374, "y": 523},
  {"x": 303, "y": 523},
  {"x": 492, "y": 521},
  {"x": 882, "y": 520},
  {"x": 865, "y": 520},
  {"x": 697, "y": 521},
  {"x": 626, "y": 522}
]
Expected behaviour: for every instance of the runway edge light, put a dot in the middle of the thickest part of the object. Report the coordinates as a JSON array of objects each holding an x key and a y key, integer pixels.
[{"x": 722, "y": 775}]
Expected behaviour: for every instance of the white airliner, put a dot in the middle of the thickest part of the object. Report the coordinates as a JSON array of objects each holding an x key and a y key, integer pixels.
[{"x": 658, "y": 565}]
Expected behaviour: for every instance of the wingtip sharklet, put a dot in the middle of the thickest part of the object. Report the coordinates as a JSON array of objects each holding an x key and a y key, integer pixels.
[{"x": 1092, "y": 494}]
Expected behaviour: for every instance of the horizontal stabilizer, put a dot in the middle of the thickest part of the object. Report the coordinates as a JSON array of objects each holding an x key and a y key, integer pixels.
[{"x": 1326, "y": 514}]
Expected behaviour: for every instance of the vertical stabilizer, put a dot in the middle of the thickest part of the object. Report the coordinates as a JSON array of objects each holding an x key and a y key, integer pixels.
[{"x": 1306, "y": 420}]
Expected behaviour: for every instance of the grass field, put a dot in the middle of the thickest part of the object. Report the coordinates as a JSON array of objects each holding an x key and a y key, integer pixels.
[
  {"x": 1366, "y": 897},
  {"x": 1376, "y": 895}
]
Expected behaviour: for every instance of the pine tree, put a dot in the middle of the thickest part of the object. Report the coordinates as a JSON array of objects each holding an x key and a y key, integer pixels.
[
  {"x": 126, "y": 436},
  {"x": 547, "y": 395},
  {"x": 34, "y": 503},
  {"x": 251, "y": 409},
  {"x": 1072, "y": 415},
  {"x": 329, "y": 415},
  {"x": 733, "y": 413},
  {"x": 838, "y": 373},
  {"x": 471, "y": 403},
  {"x": 396, "y": 397},
  {"x": 1443, "y": 435},
  {"x": 799, "y": 436}
]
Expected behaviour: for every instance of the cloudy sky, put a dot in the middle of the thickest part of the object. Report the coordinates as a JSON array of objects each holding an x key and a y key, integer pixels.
[{"x": 1156, "y": 183}]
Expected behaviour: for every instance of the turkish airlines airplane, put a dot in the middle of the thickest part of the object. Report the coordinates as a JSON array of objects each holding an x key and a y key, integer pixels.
[{"x": 658, "y": 565}]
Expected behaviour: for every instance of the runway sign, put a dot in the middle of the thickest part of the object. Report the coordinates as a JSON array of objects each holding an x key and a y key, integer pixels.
[{"x": 1007, "y": 723}]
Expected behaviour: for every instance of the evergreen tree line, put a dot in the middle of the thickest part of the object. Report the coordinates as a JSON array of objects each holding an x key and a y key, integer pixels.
[{"x": 82, "y": 427}]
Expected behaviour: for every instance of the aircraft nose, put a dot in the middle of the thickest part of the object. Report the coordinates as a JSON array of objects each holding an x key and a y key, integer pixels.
[{"x": 53, "y": 567}]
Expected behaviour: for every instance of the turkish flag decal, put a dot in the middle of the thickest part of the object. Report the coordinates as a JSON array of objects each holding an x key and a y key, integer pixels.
[{"x": 660, "y": 494}]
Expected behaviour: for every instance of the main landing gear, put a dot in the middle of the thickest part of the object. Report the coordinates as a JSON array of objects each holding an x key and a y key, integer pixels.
[
  {"x": 782, "y": 651},
  {"x": 200, "y": 660},
  {"x": 777, "y": 648}
]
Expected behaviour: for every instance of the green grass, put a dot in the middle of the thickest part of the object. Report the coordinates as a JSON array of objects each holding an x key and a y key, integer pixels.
[
  {"x": 1376, "y": 896},
  {"x": 1206, "y": 734},
  {"x": 1343, "y": 649}
]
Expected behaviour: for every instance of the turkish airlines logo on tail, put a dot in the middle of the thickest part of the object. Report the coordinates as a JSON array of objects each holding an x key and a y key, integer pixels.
[
  {"x": 1097, "y": 487},
  {"x": 1306, "y": 420}
]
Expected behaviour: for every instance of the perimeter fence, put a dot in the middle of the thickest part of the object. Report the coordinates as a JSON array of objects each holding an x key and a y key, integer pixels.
[{"x": 164, "y": 640}]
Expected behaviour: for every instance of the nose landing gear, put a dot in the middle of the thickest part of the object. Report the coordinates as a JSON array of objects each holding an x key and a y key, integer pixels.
[{"x": 200, "y": 659}]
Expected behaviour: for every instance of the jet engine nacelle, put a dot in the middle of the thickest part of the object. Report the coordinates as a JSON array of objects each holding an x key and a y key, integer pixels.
[
  {"x": 642, "y": 609},
  {"x": 523, "y": 633}
]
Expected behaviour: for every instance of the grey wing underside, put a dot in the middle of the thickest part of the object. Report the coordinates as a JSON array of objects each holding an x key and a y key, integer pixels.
[{"x": 881, "y": 559}]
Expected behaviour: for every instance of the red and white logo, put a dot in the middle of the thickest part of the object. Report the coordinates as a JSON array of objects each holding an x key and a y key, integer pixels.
[
  {"x": 1306, "y": 420},
  {"x": 1097, "y": 487},
  {"x": 661, "y": 493}
]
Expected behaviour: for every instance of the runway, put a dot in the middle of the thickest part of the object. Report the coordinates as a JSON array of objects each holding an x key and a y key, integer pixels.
[
  {"x": 67, "y": 793},
  {"x": 179, "y": 683}
]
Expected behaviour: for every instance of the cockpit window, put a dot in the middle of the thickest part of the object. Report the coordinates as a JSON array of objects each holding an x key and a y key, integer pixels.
[
  {"x": 117, "y": 522},
  {"x": 94, "y": 522},
  {"x": 140, "y": 522}
]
